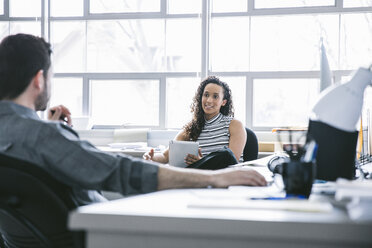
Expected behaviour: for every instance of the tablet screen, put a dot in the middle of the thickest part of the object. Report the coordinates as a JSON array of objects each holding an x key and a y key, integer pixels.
[{"x": 178, "y": 150}]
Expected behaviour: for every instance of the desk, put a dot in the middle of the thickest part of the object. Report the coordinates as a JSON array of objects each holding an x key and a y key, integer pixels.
[
  {"x": 165, "y": 220},
  {"x": 139, "y": 153}
]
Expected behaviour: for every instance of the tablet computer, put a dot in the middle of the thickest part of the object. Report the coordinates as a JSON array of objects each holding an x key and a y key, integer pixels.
[{"x": 178, "y": 150}]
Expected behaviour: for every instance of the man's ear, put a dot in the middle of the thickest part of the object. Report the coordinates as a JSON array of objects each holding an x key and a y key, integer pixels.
[{"x": 38, "y": 80}]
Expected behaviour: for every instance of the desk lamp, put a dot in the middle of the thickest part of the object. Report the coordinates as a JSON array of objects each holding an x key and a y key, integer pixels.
[{"x": 333, "y": 126}]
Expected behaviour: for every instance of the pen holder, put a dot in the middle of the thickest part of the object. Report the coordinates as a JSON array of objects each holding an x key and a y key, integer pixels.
[{"x": 298, "y": 177}]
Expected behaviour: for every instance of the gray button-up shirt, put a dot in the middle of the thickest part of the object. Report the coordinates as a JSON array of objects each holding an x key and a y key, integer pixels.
[{"x": 57, "y": 149}]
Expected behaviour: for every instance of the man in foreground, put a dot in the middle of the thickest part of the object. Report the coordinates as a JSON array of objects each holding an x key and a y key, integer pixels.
[{"x": 25, "y": 75}]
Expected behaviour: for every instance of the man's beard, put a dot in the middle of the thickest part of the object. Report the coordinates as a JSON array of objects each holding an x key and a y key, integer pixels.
[{"x": 42, "y": 100}]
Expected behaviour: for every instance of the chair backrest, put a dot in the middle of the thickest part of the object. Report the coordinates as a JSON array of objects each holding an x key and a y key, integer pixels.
[
  {"x": 34, "y": 207},
  {"x": 250, "y": 151}
]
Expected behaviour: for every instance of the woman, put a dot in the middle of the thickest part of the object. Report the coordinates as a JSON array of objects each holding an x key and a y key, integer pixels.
[{"x": 213, "y": 125}]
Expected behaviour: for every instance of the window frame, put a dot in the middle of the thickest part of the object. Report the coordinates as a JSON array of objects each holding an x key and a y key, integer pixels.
[{"x": 204, "y": 70}]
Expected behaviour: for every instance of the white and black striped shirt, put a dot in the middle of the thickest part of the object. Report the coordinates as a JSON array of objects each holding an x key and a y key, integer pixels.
[{"x": 215, "y": 134}]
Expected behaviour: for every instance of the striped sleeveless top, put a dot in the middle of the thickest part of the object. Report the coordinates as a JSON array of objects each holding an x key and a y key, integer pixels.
[{"x": 215, "y": 134}]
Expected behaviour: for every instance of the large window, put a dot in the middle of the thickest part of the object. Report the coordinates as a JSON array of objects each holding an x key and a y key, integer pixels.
[{"x": 138, "y": 63}]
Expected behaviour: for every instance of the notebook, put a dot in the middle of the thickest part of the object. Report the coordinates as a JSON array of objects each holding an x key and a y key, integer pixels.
[{"x": 178, "y": 150}]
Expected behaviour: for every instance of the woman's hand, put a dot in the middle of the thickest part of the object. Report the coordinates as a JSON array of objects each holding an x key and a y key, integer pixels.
[
  {"x": 190, "y": 158},
  {"x": 60, "y": 113},
  {"x": 148, "y": 155}
]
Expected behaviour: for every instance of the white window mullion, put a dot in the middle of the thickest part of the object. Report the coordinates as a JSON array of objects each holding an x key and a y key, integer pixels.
[
  {"x": 249, "y": 102},
  {"x": 162, "y": 101},
  {"x": 206, "y": 18}
]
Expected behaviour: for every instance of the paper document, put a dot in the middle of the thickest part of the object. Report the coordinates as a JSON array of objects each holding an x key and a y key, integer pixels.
[
  {"x": 132, "y": 145},
  {"x": 239, "y": 193},
  {"x": 349, "y": 189},
  {"x": 359, "y": 193},
  {"x": 258, "y": 162},
  {"x": 286, "y": 205}
]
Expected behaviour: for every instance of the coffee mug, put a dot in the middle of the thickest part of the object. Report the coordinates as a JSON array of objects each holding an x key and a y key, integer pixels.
[{"x": 298, "y": 178}]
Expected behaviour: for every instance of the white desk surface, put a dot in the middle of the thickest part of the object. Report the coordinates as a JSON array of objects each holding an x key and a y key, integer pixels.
[{"x": 167, "y": 219}]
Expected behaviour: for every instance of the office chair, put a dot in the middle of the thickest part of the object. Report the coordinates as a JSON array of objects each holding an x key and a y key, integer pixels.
[
  {"x": 34, "y": 207},
  {"x": 250, "y": 151}
]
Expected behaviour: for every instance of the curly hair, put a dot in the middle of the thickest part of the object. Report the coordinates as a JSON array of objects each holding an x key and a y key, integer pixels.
[{"x": 195, "y": 126}]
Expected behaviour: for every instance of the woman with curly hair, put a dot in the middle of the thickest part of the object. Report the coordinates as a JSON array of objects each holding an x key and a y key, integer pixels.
[{"x": 213, "y": 126}]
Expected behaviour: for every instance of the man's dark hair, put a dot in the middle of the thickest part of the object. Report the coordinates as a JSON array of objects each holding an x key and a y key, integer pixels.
[{"x": 21, "y": 57}]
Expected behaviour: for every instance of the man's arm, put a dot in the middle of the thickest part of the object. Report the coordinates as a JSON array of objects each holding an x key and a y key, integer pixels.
[{"x": 174, "y": 177}]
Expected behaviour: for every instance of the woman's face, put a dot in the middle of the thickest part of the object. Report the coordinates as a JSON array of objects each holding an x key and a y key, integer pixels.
[{"x": 212, "y": 100}]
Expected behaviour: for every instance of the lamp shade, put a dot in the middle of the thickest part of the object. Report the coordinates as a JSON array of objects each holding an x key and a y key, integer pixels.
[
  {"x": 333, "y": 126},
  {"x": 340, "y": 105}
]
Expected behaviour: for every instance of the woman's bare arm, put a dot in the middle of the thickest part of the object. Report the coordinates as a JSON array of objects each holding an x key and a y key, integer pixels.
[{"x": 238, "y": 138}]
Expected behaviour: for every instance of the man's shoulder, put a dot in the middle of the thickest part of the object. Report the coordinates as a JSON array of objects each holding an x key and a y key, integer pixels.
[
  {"x": 50, "y": 128},
  {"x": 58, "y": 127}
]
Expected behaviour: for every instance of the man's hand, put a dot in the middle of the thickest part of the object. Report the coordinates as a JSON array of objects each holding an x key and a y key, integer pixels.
[
  {"x": 190, "y": 158},
  {"x": 60, "y": 113},
  {"x": 237, "y": 176}
]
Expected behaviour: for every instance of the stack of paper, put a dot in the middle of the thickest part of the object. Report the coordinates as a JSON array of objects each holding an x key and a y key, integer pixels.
[
  {"x": 360, "y": 195},
  {"x": 259, "y": 198},
  {"x": 286, "y": 205},
  {"x": 132, "y": 145},
  {"x": 258, "y": 162},
  {"x": 352, "y": 189}
]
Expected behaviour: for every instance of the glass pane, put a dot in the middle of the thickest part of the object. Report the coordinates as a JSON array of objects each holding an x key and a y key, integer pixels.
[
  {"x": 126, "y": 46},
  {"x": 180, "y": 93},
  {"x": 66, "y": 8},
  {"x": 26, "y": 27},
  {"x": 238, "y": 89},
  {"x": 183, "y": 45},
  {"x": 1, "y": 7},
  {"x": 68, "y": 92},
  {"x": 219, "y": 6},
  {"x": 68, "y": 40},
  {"x": 128, "y": 102},
  {"x": 4, "y": 29},
  {"x": 285, "y": 43},
  {"x": 118, "y": 6},
  {"x": 262, "y": 4},
  {"x": 25, "y": 8},
  {"x": 357, "y": 3},
  {"x": 229, "y": 44},
  {"x": 184, "y": 6},
  {"x": 356, "y": 43},
  {"x": 283, "y": 102}
]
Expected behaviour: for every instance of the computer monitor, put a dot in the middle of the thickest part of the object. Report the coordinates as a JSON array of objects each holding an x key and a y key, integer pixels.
[{"x": 336, "y": 151}]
